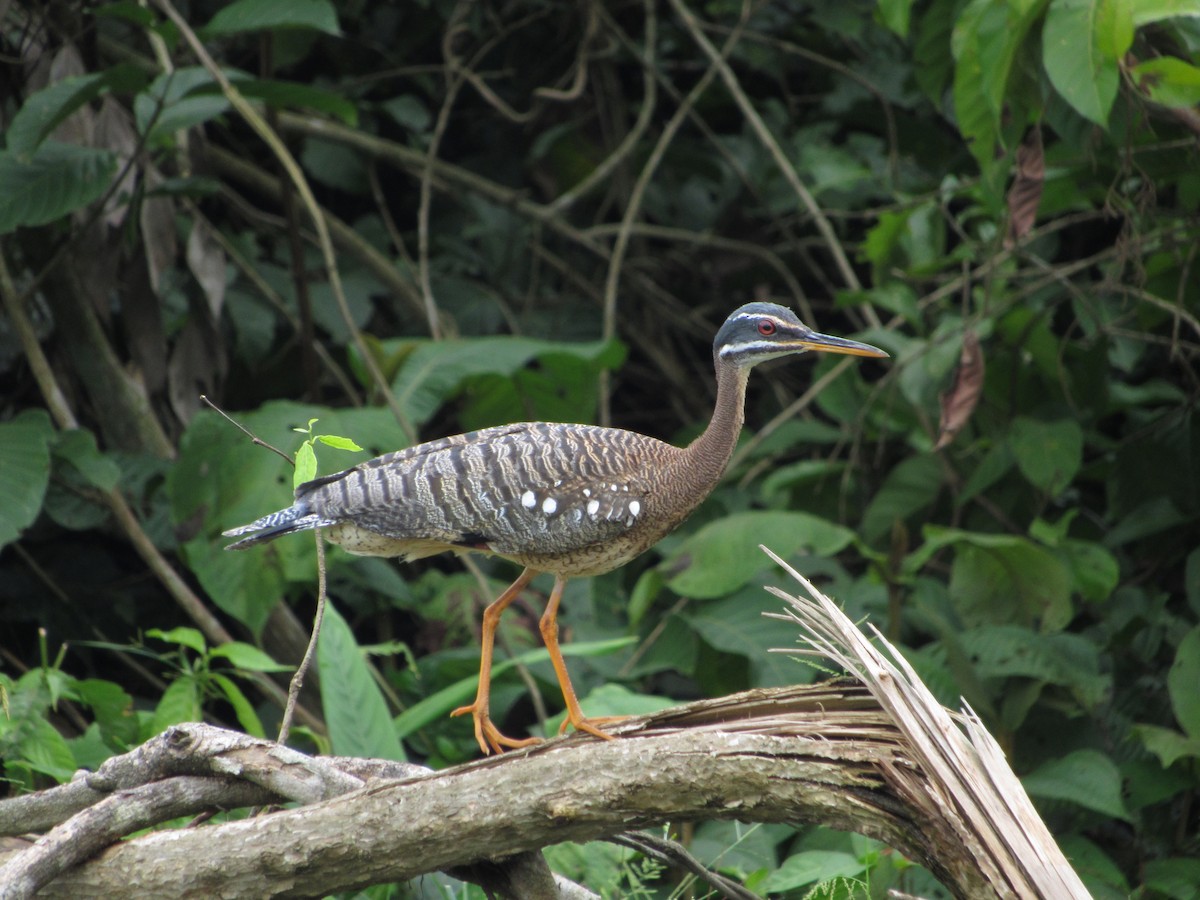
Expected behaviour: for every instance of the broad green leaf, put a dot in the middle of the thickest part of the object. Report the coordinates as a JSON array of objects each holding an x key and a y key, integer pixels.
[
  {"x": 355, "y": 710},
  {"x": 809, "y": 866},
  {"x": 737, "y": 625},
  {"x": 306, "y": 465},
  {"x": 1006, "y": 579},
  {"x": 56, "y": 180},
  {"x": 78, "y": 447},
  {"x": 995, "y": 464},
  {"x": 184, "y": 636},
  {"x": 1049, "y": 454},
  {"x": 242, "y": 707},
  {"x": 258, "y": 15},
  {"x": 910, "y": 487},
  {"x": 724, "y": 555},
  {"x": 44, "y": 750},
  {"x": 1082, "y": 45},
  {"x": 1183, "y": 683},
  {"x": 1066, "y": 660},
  {"x": 434, "y": 371},
  {"x": 985, "y": 42},
  {"x": 46, "y": 109},
  {"x": 1087, "y": 778},
  {"x": 895, "y": 15},
  {"x": 249, "y": 658},
  {"x": 461, "y": 692},
  {"x": 1168, "y": 745},
  {"x": 24, "y": 471},
  {"x": 1092, "y": 863},
  {"x": 1147, "y": 11},
  {"x": 340, "y": 443},
  {"x": 290, "y": 95},
  {"x": 180, "y": 702},
  {"x": 1169, "y": 81},
  {"x": 1175, "y": 878},
  {"x": 1093, "y": 569}
]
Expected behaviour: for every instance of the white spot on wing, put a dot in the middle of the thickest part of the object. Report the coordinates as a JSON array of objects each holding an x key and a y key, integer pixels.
[
  {"x": 593, "y": 507},
  {"x": 549, "y": 505},
  {"x": 634, "y": 507},
  {"x": 528, "y": 500}
]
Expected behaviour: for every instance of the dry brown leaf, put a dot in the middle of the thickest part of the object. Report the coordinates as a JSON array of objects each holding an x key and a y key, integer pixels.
[
  {"x": 1026, "y": 192},
  {"x": 959, "y": 402}
]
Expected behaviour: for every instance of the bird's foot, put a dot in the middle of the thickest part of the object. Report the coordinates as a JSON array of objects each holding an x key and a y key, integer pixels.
[
  {"x": 490, "y": 737},
  {"x": 590, "y": 724}
]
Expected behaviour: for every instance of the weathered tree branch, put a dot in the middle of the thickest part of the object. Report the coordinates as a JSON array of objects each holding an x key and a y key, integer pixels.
[{"x": 874, "y": 756}]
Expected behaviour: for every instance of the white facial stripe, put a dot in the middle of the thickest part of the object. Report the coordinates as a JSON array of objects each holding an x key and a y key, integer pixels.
[{"x": 756, "y": 347}]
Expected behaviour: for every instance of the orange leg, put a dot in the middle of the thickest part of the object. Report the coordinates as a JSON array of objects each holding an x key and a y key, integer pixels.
[
  {"x": 549, "y": 629},
  {"x": 486, "y": 733}
]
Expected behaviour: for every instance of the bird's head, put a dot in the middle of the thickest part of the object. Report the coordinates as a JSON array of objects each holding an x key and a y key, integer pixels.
[{"x": 757, "y": 332}]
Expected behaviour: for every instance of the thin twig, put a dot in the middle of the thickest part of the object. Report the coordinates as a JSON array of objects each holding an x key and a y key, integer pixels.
[
  {"x": 254, "y": 439},
  {"x": 285, "y": 724}
]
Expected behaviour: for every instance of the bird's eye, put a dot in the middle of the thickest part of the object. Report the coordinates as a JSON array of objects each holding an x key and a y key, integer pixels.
[{"x": 766, "y": 327}]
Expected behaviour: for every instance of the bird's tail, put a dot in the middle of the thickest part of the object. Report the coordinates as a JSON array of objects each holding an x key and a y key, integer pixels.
[{"x": 277, "y": 524}]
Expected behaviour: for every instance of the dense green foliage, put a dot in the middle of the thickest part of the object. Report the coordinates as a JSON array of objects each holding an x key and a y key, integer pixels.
[{"x": 542, "y": 211}]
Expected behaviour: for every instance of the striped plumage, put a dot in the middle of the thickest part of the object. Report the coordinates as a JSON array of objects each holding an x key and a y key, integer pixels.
[{"x": 570, "y": 500}]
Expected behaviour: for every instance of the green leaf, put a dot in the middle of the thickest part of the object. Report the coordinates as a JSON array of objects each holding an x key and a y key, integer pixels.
[
  {"x": 1087, "y": 778},
  {"x": 242, "y": 707},
  {"x": 809, "y": 866},
  {"x": 46, "y": 109},
  {"x": 355, "y": 710},
  {"x": 290, "y": 95},
  {"x": 44, "y": 750},
  {"x": 724, "y": 555},
  {"x": 1175, "y": 878},
  {"x": 58, "y": 179},
  {"x": 1066, "y": 660},
  {"x": 248, "y": 658},
  {"x": 1147, "y": 11},
  {"x": 306, "y": 464},
  {"x": 1092, "y": 863},
  {"x": 258, "y": 15},
  {"x": 435, "y": 370},
  {"x": 1183, "y": 683},
  {"x": 737, "y": 625},
  {"x": 909, "y": 488},
  {"x": 985, "y": 42},
  {"x": 180, "y": 702},
  {"x": 895, "y": 15},
  {"x": 1008, "y": 579},
  {"x": 185, "y": 637},
  {"x": 1082, "y": 45},
  {"x": 78, "y": 448},
  {"x": 1049, "y": 454},
  {"x": 1094, "y": 570},
  {"x": 24, "y": 471},
  {"x": 1169, "y": 81},
  {"x": 1169, "y": 746},
  {"x": 340, "y": 443}
]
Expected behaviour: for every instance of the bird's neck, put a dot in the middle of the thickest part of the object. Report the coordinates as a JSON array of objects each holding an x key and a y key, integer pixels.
[{"x": 708, "y": 455}]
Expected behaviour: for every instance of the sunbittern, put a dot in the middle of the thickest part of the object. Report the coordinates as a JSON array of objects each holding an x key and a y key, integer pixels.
[{"x": 570, "y": 500}]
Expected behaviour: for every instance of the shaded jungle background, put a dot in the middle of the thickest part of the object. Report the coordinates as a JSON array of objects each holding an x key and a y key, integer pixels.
[{"x": 543, "y": 211}]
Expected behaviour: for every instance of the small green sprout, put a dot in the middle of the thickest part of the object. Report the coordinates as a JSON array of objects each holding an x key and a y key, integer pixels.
[{"x": 306, "y": 456}]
